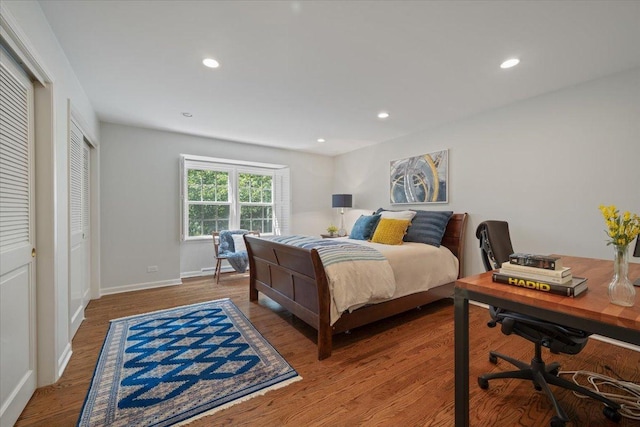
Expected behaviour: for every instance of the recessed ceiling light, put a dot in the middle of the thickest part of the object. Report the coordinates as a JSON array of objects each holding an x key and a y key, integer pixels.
[
  {"x": 383, "y": 115},
  {"x": 321, "y": 140},
  {"x": 510, "y": 63},
  {"x": 187, "y": 114},
  {"x": 211, "y": 63}
]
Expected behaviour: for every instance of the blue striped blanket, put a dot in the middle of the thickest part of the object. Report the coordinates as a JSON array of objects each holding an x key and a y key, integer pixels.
[{"x": 356, "y": 274}]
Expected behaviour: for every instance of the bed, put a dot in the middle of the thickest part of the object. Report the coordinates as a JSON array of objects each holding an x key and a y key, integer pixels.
[{"x": 295, "y": 278}]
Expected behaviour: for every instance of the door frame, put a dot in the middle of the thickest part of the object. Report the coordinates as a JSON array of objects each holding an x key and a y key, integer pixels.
[
  {"x": 94, "y": 200},
  {"x": 93, "y": 251}
]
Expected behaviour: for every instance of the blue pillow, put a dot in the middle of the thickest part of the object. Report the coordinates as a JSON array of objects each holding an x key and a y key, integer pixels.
[
  {"x": 428, "y": 227},
  {"x": 364, "y": 227}
]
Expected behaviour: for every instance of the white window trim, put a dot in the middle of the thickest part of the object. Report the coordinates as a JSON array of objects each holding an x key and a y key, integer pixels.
[{"x": 281, "y": 202}]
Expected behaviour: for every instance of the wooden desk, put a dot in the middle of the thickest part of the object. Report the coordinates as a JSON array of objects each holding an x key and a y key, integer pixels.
[{"x": 590, "y": 311}]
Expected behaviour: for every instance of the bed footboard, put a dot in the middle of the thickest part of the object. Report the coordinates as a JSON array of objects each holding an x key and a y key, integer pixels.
[{"x": 294, "y": 278}]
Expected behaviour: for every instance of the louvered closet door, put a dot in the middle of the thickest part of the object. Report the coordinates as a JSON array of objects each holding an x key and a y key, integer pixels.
[
  {"x": 79, "y": 153},
  {"x": 17, "y": 262}
]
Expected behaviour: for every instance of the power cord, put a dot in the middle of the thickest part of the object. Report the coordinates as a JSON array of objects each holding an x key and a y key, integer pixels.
[{"x": 629, "y": 399}]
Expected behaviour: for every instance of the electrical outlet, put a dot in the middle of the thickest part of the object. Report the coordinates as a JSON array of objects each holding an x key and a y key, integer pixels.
[{"x": 152, "y": 268}]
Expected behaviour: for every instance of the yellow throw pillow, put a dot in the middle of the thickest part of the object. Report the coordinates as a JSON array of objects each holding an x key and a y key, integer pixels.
[{"x": 390, "y": 231}]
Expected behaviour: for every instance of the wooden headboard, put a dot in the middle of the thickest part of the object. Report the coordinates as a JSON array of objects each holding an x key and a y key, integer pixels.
[{"x": 453, "y": 238}]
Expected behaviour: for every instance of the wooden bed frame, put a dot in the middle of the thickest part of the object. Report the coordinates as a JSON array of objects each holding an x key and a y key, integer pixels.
[{"x": 295, "y": 278}]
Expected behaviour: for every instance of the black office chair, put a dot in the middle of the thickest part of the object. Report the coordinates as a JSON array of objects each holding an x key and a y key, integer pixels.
[{"x": 495, "y": 245}]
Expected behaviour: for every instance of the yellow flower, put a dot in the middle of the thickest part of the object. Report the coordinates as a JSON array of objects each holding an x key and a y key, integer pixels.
[{"x": 621, "y": 229}]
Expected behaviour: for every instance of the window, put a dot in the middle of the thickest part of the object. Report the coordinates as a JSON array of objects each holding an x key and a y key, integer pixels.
[
  {"x": 208, "y": 201},
  {"x": 220, "y": 195},
  {"x": 256, "y": 203}
]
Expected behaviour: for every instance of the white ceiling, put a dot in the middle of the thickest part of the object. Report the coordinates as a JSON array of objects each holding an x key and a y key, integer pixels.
[{"x": 295, "y": 71}]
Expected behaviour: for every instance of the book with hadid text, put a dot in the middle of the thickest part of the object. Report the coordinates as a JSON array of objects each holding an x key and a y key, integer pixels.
[{"x": 571, "y": 289}]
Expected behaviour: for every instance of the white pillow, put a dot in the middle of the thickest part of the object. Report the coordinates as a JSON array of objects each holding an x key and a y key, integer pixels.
[
  {"x": 398, "y": 215},
  {"x": 238, "y": 242}
]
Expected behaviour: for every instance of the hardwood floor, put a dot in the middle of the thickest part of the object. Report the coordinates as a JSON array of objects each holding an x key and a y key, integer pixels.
[{"x": 394, "y": 372}]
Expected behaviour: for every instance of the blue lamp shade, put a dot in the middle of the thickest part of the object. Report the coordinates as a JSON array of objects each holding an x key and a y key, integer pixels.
[{"x": 341, "y": 201}]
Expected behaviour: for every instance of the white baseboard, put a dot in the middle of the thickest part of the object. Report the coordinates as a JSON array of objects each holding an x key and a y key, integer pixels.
[
  {"x": 189, "y": 274},
  {"x": 207, "y": 271},
  {"x": 139, "y": 286},
  {"x": 64, "y": 358},
  {"x": 615, "y": 342},
  {"x": 479, "y": 304}
]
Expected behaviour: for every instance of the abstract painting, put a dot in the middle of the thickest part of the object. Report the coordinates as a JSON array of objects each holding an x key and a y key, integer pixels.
[{"x": 420, "y": 179}]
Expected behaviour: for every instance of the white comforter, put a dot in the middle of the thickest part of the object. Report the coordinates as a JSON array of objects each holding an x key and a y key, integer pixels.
[
  {"x": 356, "y": 274},
  {"x": 416, "y": 267}
]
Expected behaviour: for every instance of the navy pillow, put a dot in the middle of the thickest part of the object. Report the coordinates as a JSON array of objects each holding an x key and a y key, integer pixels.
[
  {"x": 364, "y": 227},
  {"x": 428, "y": 227}
]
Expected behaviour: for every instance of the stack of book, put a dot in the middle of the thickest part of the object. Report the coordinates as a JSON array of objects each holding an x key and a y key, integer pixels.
[{"x": 540, "y": 272}]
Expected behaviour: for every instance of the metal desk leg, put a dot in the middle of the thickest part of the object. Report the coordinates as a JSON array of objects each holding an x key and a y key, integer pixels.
[{"x": 461, "y": 332}]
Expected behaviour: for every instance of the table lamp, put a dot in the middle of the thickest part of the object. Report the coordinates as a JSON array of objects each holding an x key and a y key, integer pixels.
[{"x": 341, "y": 201}]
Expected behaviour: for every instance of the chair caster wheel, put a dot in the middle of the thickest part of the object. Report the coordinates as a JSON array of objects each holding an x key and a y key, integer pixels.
[
  {"x": 555, "y": 372},
  {"x": 493, "y": 359},
  {"x": 612, "y": 414},
  {"x": 557, "y": 422},
  {"x": 484, "y": 384}
]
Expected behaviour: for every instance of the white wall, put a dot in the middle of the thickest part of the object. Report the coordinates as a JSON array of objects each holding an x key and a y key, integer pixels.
[
  {"x": 140, "y": 201},
  {"x": 52, "y": 281},
  {"x": 544, "y": 165}
]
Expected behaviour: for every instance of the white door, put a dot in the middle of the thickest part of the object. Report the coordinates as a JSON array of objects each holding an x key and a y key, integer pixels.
[
  {"x": 17, "y": 262},
  {"x": 79, "y": 161}
]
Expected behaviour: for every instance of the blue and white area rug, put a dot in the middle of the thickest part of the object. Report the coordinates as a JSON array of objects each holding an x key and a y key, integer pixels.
[{"x": 172, "y": 366}]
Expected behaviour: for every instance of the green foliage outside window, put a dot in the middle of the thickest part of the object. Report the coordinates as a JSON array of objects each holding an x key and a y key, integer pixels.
[
  {"x": 209, "y": 186},
  {"x": 254, "y": 188},
  {"x": 209, "y": 202},
  {"x": 258, "y": 218},
  {"x": 255, "y": 196},
  {"x": 205, "y": 219}
]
